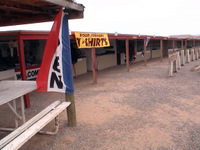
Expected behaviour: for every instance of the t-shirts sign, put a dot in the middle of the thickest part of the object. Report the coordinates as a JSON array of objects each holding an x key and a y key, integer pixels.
[{"x": 91, "y": 40}]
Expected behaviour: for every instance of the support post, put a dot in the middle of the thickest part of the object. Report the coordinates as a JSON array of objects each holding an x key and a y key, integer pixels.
[
  {"x": 178, "y": 60},
  {"x": 145, "y": 52},
  {"x": 173, "y": 46},
  {"x": 185, "y": 45},
  {"x": 94, "y": 65},
  {"x": 199, "y": 50},
  {"x": 23, "y": 67},
  {"x": 127, "y": 56},
  {"x": 71, "y": 110},
  {"x": 174, "y": 62},
  {"x": 161, "y": 50},
  {"x": 182, "y": 47},
  {"x": 135, "y": 49},
  {"x": 151, "y": 52}
]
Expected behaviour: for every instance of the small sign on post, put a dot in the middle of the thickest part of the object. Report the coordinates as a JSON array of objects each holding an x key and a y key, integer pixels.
[{"x": 92, "y": 41}]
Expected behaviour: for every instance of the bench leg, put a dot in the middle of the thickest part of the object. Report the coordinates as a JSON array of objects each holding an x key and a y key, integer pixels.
[
  {"x": 22, "y": 109},
  {"x": 52, "y": 132},
  {"x": 16, "y": 120}
]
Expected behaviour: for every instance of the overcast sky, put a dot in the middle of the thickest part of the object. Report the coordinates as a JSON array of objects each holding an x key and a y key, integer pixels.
[{"x": 145, "y": 17}]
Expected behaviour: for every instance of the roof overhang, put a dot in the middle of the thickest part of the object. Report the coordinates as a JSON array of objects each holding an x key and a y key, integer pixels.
[{"x": 16, "y": 12}]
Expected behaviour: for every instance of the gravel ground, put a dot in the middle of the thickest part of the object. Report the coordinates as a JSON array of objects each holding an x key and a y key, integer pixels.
[{"x": 144, "y": 109}]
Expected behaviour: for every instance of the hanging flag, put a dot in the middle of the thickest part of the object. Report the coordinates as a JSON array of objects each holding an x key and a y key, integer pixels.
[{"x": 55, "y": 73}]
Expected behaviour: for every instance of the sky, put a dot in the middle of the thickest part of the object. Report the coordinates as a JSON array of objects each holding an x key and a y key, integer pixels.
[{"x": 144, "y": 17}]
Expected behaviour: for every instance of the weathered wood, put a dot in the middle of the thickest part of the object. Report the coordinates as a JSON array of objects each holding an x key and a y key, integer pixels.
[
  {"x": 67, "y": 4},
  {"x": 171, "y": 68},
  {"x": 187, "y": 56},
  {"x": 161, "y": 50},
  {"x": 10, "y": 90},
  {"x": 195, "y": 68},
  {"x": 71, "y": 110},
  {"x": 145, "y": 52},
  {"x": 15, "y": 12},
  {"x": 94, "y": 65},
  {"x": 199, "y": 52},
  {"x": 172, "y": 57},
  {"x": 32, "y": 130},
  {"x": 25, "y": 126},
  {"x": 178, "y": 61},
  {"x": 182, "y": 58},
  {"x": 196, "y": 54},
  {"x": 172, "y": 63},
  {"x": 192, "y": 55},
  {"x": 127, "y": 56}
]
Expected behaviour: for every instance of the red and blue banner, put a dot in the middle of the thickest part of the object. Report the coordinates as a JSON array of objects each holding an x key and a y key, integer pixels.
[{"x": 55, "y": 73}]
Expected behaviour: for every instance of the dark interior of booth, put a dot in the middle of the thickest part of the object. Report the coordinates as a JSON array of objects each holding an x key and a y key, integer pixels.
[{"x": 9, "y": 57}]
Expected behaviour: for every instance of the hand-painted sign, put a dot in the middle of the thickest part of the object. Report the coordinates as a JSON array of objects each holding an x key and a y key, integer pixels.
[
  {"x": 31, "y": 73},
  {"x": 91, "y": 40}
]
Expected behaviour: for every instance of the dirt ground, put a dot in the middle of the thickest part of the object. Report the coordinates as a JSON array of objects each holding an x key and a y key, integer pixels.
[{"x": 143, "y": 109}]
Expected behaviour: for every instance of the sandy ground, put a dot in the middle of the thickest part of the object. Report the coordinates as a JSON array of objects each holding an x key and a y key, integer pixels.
[{"x": 144, "y": 109}]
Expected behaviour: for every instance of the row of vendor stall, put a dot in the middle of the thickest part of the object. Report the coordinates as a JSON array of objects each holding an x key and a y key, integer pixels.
[{"x": 140, "y": 48}]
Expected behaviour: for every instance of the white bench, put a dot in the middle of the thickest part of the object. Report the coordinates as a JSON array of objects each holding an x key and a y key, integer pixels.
[{"x": 22, "y": 134}]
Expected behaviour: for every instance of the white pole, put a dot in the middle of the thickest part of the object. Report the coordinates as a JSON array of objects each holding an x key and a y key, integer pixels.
[
  {"x": 187, "y": 56},
  {"x": 182, "y": 58}
]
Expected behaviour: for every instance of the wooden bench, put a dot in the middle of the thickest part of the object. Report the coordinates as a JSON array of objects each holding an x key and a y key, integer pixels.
[{"x": 23, "y": 133}]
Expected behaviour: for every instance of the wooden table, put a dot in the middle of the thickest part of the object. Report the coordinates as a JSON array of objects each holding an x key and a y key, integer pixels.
[{"x": 11, "y": 90}]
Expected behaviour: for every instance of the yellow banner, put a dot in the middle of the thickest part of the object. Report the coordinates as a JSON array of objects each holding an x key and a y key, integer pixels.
[{"x": 91, "y": 40}]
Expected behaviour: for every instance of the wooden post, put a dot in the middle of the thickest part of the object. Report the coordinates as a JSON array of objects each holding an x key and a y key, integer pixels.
[
  {"x": 182, "y": 45},
  {"x": 94, "y": 65},
  {"x": 199, "y": 50},
  {"x": 187, "y": 56},
  {"x": 135, "y": 49},
  {"x": 151, "y": 51},
  {"x": 145, "y": 52},
  {"x": 170, "y": 68},
  {"x": 178, "y": 60},
  {"x": 71, "y": 111},
  {"x": 74, "y": 68},
  {"x": 161, "y": 50},
  {"x": 172, "y": 58},
  {"x": 174, "y": 62},
  {"x": 182, "y": 58},
  {"x": 194, "y": 47},
  {"x": 173, "y": 45},
  {"x": 23, "y": 67},
  {"x": 127, "y": 56},
  {"x": 185, "y": 44},
  {"x": 192, "y": 55}
]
